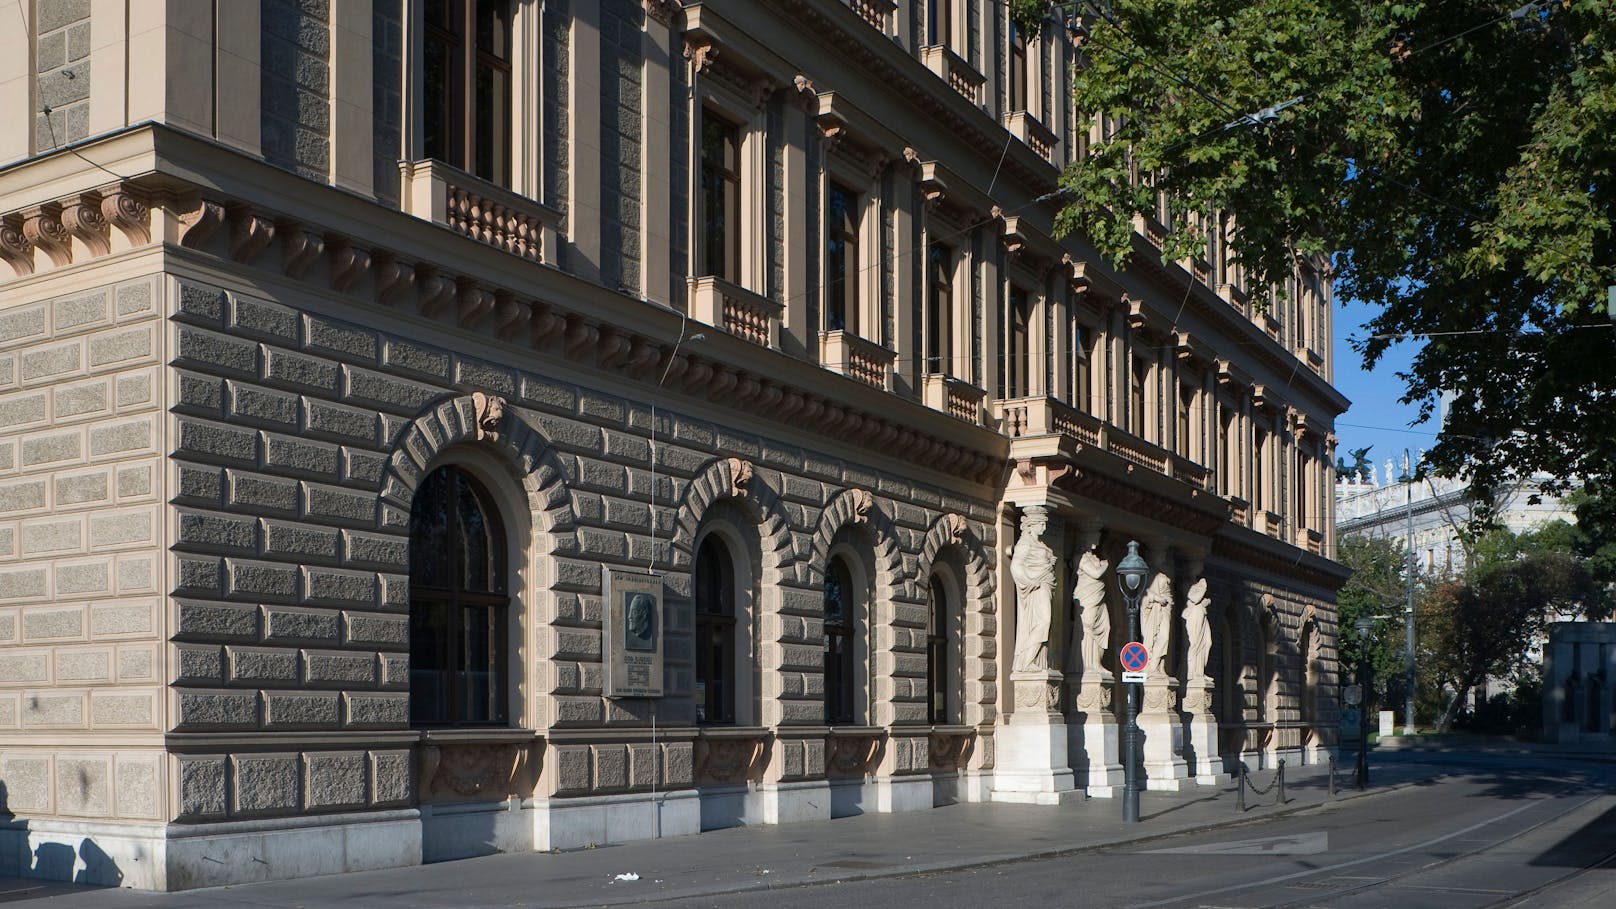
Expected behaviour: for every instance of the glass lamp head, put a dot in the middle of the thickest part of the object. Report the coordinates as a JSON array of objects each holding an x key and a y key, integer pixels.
[{"x": 1131, "y": 571}]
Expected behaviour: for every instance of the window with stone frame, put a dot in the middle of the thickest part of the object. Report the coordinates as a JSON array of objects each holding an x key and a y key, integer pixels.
[
  {"x": 841, "y": 681},
  {"x": 843, "y": 211},
  {"x": 1186, "y": 420},
  {"x": 1017, "y": 353},
  {"x": 939, "y": 21},
  {"x": 1259, "y": 472},
  {"x": 459, "y": 604},
  {"x": 1138, "y": 381},
  {"x": 1082, "y": 367},
  {"x": 467, "y": 87},
  {"x": 940, "y": 308},
  {"x": 716, "y": 665},
  {"x": 1016, "y": 71},
  {"x": 938, "y": 647},
  {"x": 720, "y": 196}
]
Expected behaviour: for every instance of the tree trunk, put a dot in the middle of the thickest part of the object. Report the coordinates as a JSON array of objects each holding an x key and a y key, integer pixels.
[{"x": 1446, "y": 725}]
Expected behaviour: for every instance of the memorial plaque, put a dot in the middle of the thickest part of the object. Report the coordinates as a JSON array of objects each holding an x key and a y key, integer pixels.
[{"x": 632, "y": 626}]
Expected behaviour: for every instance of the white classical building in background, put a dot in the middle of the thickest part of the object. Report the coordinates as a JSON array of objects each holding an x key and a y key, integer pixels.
[{"x": 432, "y": 427}]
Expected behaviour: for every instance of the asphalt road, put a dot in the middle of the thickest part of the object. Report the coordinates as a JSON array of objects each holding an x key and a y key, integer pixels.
[{"x": 1498, "y": 834}]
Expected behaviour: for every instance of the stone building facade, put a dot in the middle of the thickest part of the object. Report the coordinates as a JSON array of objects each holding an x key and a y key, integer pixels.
[{"x": 386, "y": 385}]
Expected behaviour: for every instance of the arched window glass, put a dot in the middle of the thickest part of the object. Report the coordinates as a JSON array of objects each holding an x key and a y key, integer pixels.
[
  {"x": 839, "y": 644},
  {"x": 937, "y": 675},
  {"x": 715, "y": 633},
  {"x": 459, "y": 610}
]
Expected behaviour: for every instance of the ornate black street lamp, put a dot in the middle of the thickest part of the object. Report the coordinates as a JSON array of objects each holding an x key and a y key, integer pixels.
[{"x": 1131, "y": 573}]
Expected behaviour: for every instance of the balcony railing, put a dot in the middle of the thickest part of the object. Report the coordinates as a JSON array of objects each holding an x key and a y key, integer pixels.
[
  {"x": 475, "y": 208},
  {"x": 957, "y": 397},
  {"x": 1037, "y": 136},
  {"x": 1151, "y": 229},
  {"x": 1272, "y": 523},
  {"x": 854, "y": 356},
  {"x": 953, "y": 69},
  {"x": 1029, "y": 417},
  {"x": 1239, "y": 510},
  {"x": 876, "y": 12},
  {"x": 736, "y": 310},
  {"x": 1310, "y": 539}
]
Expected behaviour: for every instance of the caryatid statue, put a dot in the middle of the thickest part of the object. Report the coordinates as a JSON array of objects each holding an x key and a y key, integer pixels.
[
  {"x": 1197, "y": 630},
  {"x": 1156, "y": 622},
  {"x": 1032, "y": 567},
  {"x": 1095, "y": 620}
]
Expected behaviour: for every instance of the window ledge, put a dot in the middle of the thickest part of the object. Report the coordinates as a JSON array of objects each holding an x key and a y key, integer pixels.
[
  {"x": 736, "y": 310},
  {"x": 853, "y": 750},
  {"x": 729, "y": 754},
  {"x": 478, "y": 736},
  {"x": 956, "y": 397},
  {"x": 950, "y": 747},
  {"x": 473, "y": 207}
]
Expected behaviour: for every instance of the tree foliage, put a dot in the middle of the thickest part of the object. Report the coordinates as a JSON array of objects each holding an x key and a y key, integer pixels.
[
  {"x": 1378, "y": 589},
  {"x": 1455, "y": 160}
]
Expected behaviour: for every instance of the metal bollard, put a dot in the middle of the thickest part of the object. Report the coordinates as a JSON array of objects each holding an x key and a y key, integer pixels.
[
  {"x": 1332, "y": 776},
  {"x": 1281, "y": 782},
  {"x": 1240, "y": 787}
]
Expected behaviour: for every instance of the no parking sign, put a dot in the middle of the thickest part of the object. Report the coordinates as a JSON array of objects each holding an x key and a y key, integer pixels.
[{"x": 1134, "y": 657}]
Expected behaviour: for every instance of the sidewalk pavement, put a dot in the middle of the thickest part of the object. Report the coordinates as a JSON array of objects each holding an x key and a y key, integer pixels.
[{"x": 762, "y": 858}]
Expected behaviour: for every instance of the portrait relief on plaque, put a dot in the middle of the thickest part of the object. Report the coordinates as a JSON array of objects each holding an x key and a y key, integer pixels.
[{"x": 633, "y": 634}]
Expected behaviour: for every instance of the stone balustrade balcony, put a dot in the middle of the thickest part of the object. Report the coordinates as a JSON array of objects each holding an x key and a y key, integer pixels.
[
  {"x": 956, "y": 397},
  {"x": 1035, "y": 135},
  {"x": 736, "y": 310},
  {"x": 876, "y": 12},
  {"x": 1043, "y": 416},
  {"x": 475, "y": 208},
  {"x": 862, "y": 359},
  {"x": 953, "y": 69}
]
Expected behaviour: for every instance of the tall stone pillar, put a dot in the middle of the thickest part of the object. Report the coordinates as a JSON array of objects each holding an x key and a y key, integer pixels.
[
  {"x": 1031, "y": 764},
  {"x": 1160, "y": 721},
  {"x": 1200, "y": 724},
  {"x": 1092, "y": 733}
]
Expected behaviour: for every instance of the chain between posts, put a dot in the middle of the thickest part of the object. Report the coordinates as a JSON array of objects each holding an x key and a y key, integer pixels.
[{"x": 1278, "y": 782}]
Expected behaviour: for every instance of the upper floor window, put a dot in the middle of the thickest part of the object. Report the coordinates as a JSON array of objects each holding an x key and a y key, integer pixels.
[
  {"x": 1228, "y": 466},
  {"x": 1186, "y": 409},
  {"x": 1017, "y": 345},
  {"x": 840, "y": 660},
  {"x": 1082, "y": 357},
  {"x": 939, "y": 21},
  {"x": 467, "y": 79},
  {"x": 459, "y": 605},
  {"x": 721, "y": 196},
  {"x": 1138, "y": 379},
  {"x": 841, "y": 259},
  {"x": 939, "y": 308},
  {"x": 1259, "y": 472},
  {"x": 715, "y": 633},
  {"x": 1016, "y": 85}
]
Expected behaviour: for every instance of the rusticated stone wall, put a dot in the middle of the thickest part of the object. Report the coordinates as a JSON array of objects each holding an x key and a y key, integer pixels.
[
  {"x": 62, "y": 63},
  {"x": 81, "y": 394}
]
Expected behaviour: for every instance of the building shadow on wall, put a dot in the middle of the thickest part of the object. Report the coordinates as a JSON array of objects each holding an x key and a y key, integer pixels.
[{"x": 57, "y": 863}]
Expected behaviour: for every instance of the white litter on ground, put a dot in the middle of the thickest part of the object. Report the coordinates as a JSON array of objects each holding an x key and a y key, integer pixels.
[{"x": 628, "y": 876}]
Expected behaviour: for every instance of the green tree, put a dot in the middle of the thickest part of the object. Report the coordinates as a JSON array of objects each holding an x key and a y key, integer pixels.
[
  {"x": 1376, "y": 588},
  {"x": 1453, "y": 158}
]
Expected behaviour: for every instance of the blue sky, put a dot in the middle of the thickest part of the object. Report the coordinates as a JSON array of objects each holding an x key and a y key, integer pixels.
[{"x": 1375, "y": 418}]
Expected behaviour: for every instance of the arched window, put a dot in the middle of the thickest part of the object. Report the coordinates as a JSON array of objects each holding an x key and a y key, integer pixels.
[
  {"x": 715, "y": 633},
  {"x": 840, "y": 681},
  {"x": 459, "y": 605},
  {"x": 937, "y": 650}
]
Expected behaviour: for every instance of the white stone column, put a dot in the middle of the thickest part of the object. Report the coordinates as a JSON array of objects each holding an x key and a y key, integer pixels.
[
  {"x": 1092, "y": 732},
  {"x": 1031, "y": 765}
]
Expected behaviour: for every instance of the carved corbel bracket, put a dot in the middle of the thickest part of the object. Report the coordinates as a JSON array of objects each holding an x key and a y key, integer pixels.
[
  {"x": 863, "y": 500},
  {"x": 436, "y": 292},
  {"x": 249, "y": 234},
  {"x": 511, "y": 316},
  {"x": 42, "y": 226},
  {"x": 1134, "y": 312},
  {"x": 393, "y": 278},
  {"x": 126, "y": 209},
  {"x": 299, "y": 249},
  {"x": 579, "y": 335},
  {"x": 700, "y": 52},
  {"x": 612, "y": 348},
  {"x": 471, "y": 302},
  {"x": 956, "y": 525},
  {"x": 662, "y": 11},
  {"x": 15, "y": 248},
  {"x": 348, "y": 262},
  {"x": 199, "y": 218},
  {"x": 82, "y": 219},
  {"x": 545, "y": 324}
]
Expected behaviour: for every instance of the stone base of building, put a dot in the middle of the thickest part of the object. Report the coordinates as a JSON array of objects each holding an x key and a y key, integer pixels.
[
  {"x": 896, "y": 794},
  {"x": 1093, "y": 744},
  {"x": 1032, "y": 767},
  {"x": 788, "y": 803},
  {"x": 475, "y": 828},
  {"x": 1201, "y": 750},
  {"x": 188, "y": 856},
  {"x": 574, "y": 823},
  {"x": 1163, "y": 762}
]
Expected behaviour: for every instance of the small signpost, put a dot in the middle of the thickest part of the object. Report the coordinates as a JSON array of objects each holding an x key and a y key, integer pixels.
[{"x": 1134, "y": 656}]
